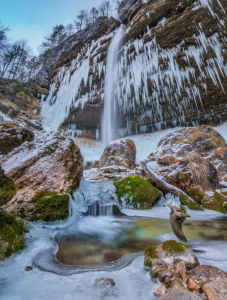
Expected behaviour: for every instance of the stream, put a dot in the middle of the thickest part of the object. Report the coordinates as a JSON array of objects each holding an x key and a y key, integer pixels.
[{"x": 69, "y": 255}]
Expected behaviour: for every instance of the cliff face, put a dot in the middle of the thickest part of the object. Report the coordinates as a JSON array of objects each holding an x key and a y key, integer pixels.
[{"x": 172, "y": 70}]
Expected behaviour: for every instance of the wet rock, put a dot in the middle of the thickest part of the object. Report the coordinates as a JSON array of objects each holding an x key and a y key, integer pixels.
[
  {"x": 117, "y": 212},
  {"x": 179, "y": 270},
  {"x": 104, "y": 283},
  {"x": 159, "y": 290},
  {"x": 216, "y": 290},
  {"x": 12, "y": 136},
  {"x": 202, "y": 274},
  {"x": 7, "y": 188},
  {"x": 136, "y": 192},
  {"x": 177, "y": 285},
  {"x": 170, "y": 252},
  {"x": 179, "y": 295},
  {"x": 193, "y": 285},
  {"x": 91, "y": 164},
  {"x": 119, "y": 153},
  {"x": 44, "y": 170},
  {"x": 28, "y": 268}
]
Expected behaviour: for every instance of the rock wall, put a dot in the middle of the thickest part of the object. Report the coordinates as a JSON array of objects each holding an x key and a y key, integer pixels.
[{"x": 172, "y": 69}]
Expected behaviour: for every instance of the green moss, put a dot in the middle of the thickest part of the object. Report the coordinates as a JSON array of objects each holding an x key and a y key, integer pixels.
[
  {"x": 183, "y": 209},
  {"x": 148, "y": 263},
  {"x": 50, "y": 206},
  {"x": 185, "y": 200},
  {"x": 137, "y": 192},
  {"x": 174, "y": 246},
  {"x": 182, "y": 176},
  {"x": 215, "y": 202},
  {"x": 7, "y": 190},
  {"x": 11, "y": 232},
  {"x": 151, "y": 251},
  {"x": 196, "y": 195}
]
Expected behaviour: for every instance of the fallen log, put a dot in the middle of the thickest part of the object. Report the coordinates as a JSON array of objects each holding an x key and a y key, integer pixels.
[{"x": 169, "y": 188}]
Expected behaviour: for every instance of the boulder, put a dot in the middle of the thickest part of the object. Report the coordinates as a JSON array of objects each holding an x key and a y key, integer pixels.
[
  {"x": 216, "y": 290},
  {"x": 187, "y": 148},
  {"x": 202, "y": 274},
  {"x": 167, "y": 255},
  {"x": 12, "y": 136},
  {"x": 179, "y": 295},
  {"x": 159, "y": 290},
  {"x": 215, "y": 201},
  {"x": 136, "y": 192},
  {"x": 119, "y": 153},
  {"x": 44, "y": 170}
]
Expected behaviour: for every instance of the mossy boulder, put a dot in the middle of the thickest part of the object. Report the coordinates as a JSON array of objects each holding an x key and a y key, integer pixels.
[
  {"x": 7, "y": 188},
  {"x": 12, "y": 232},
  {"x": 215, "y": 201},
  {"x": 137, "y": 192},
  {"x": 189, "y": 202},
  {"x": 50, "y": 206},
  {"x": 168, "y": 254}
]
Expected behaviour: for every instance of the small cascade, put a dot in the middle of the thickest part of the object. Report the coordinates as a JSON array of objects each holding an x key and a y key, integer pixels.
[
  {"x": 109, "y": 118},
  {"x": 95, "y": 210}
]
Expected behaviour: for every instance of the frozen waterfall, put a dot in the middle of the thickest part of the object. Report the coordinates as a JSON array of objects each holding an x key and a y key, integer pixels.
[{"x": 110, "y": 111}]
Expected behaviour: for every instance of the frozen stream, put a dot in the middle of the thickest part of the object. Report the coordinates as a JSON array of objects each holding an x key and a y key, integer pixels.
[{"x": 84, "y": 243}]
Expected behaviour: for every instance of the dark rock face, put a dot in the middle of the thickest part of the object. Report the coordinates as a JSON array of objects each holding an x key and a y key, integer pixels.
[
  {"x": 126, "y": 8},
  {"x": 12, "y": 136}
]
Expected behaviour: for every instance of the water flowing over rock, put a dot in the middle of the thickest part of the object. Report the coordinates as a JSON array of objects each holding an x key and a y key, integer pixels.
[
  {"x": 49, "y": 164},
  {"x": 119, "y": 153}
]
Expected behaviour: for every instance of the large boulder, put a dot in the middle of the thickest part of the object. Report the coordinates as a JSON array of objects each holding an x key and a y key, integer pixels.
[
  {"x": 216, "y": 290},
  {"x": 215, "y": 201},
  {"x": 44, "y": 170},
  {"x": 119, "y": 153},
  {"x": 180, "y": 295},
  {"x": 183, "y": 145},
  {"x": 202, "y": 274},
  {"x": 12, "y": 136},
  {"x": 136, "y": 192},
  {"x": 167, "y": 255}
]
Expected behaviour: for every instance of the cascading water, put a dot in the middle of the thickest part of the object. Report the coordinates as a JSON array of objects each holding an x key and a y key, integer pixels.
[{"x": 109, "y": 118}]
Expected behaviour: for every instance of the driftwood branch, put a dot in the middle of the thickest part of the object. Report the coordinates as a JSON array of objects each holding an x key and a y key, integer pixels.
[
  {"x": 176, "y": 219},
  {"x": 160, "y": 183}
]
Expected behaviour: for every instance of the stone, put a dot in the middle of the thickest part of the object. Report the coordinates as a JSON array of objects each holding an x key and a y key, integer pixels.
[
  {"x": 206, "y": 273},
  {"x": 44, "y": 170},
  {"x": 179, "y": 295},
  {"x": 104, "y": 283},
  {"x": 177, "y": 285},
  {"x": 119, "y": 153},
  {"x": 28, "y": 268},
  {"x": 179, "y": 270},
  {"x": 216, "y": 290},
  {"x": 169, "y": 253},
  {"x": 12, "y": 135},
  {"x": 215, "y": 201},
  {"x": 136, "y": 192},
  {"x": 159, "y": 290},
  {"x": 193, "y": 285}
]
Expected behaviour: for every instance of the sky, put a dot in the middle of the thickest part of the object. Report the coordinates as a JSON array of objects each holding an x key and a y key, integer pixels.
[{"x": 32, "y": 19}]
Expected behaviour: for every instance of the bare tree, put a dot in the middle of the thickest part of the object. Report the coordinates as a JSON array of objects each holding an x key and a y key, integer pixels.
[
  {"x": 102, "y": 9},
  {"x": 94, "y": 14},
  {"x": 69, "y": 29}
]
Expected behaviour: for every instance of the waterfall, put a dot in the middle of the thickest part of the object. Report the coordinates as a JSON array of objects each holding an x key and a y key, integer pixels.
[{"x": 109, "y": 118}]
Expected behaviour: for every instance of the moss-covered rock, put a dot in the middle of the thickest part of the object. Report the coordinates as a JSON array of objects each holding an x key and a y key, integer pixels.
[
  {"x": 174, "y": 246},
  {"x": 50, "y": 206},
  {"x": 217, "y": 202},
  {"x": 7, "y": 188},
  {"x": 137, "y": 192},
  {"x": 185, "y": 200},
  {"x": 12, "y": 232}
]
